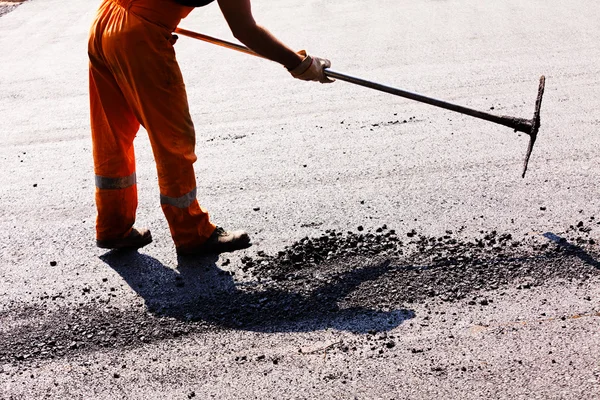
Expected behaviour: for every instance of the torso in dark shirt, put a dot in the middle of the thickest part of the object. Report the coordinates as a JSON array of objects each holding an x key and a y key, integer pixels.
[{"x": 193, "y": 3}]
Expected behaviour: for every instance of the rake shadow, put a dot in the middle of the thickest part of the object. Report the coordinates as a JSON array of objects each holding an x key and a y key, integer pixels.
[{"x": 577, "y": 251}]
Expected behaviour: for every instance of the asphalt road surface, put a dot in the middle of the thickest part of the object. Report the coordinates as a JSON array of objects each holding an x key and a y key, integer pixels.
[{"x": 398, "y": 253}]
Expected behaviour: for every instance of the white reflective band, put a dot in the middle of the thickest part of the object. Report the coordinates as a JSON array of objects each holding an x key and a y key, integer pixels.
[
  {"x": 180, "y": 202},
  {"x": 103, "y": 182}
]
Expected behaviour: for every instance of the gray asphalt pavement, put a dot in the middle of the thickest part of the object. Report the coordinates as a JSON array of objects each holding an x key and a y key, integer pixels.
[{"x": 488, "y": 289}]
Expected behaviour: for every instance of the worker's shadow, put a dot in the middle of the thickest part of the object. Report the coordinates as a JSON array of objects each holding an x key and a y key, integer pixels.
[{"x": 198, "y": 290}]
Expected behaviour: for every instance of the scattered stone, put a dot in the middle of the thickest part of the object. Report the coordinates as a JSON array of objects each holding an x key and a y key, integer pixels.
[{"x": 316, "y": 279}]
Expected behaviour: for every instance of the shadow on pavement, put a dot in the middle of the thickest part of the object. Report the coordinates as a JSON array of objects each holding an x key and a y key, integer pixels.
[
  {"x": 573, "y": 249},
  {"x": 198, "y": 290}
]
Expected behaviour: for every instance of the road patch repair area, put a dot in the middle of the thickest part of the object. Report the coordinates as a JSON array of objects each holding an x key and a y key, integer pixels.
[
  {"x": 366, "y": 284},
  {"x": 330, "y": 280},
  {"x": 398, "y": 253}
]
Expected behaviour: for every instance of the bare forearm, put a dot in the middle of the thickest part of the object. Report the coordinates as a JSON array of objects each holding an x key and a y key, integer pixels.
[
  {"x": 264, "y": 43},
  {"x": 238, "y": 14}
]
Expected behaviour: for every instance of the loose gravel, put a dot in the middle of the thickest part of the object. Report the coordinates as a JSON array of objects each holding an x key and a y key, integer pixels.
[{"x": 362, "y": 281}]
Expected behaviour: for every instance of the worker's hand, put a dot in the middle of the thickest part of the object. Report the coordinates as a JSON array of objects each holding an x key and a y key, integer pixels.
[
  {"x": 173, "y": 39},
  {"x": 312, "y": 69}
]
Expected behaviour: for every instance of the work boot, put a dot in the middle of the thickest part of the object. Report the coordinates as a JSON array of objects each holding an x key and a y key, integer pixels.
[
  {"x": 220, "y": 241},
  {"x": 136, "y": 239}
]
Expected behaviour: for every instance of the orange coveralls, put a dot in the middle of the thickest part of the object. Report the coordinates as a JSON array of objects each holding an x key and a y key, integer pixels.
[{"x": 135, "y": 79}]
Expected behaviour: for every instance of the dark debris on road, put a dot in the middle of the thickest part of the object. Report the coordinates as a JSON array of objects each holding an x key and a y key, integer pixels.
[{"x": 331, "y": 280}]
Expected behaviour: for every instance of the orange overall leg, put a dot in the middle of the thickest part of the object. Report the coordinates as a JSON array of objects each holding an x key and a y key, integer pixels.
[
  {"x": 142, "y": 61},
  {"x": 114, "y": 127}
]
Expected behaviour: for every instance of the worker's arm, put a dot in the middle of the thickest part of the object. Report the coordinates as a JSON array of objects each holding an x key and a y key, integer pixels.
[{"x": 238, "y": 14}]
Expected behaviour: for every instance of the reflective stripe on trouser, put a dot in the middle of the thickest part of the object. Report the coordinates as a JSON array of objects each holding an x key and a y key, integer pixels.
[
  {"x": 185, "y": 216},
  {"x": 116, "y": 199},
  {"x": 102, "y": 182},
  {"x": 135, "y": 78}
]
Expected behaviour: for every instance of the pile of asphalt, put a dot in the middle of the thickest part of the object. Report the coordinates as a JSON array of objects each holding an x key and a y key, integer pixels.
[
  {"x": 414, "y": 267},
  {"x": 362, "y": 281}
]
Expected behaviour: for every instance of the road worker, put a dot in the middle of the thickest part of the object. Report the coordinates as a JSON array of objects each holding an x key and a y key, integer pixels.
[{"x": 135, "y": 80}]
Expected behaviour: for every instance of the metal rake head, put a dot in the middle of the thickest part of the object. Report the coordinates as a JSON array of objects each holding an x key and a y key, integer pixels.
[{"x": 535, "y": 123}]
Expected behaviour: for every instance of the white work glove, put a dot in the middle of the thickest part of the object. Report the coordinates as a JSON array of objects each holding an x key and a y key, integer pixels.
[{"x": 311, "y": 69}]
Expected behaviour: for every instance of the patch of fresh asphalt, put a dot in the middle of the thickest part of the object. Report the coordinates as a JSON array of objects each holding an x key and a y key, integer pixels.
[
  {"x": 443, "y": 308},
  {"x": 365, "y": 283},
  {"x": 442, "y": 349}
]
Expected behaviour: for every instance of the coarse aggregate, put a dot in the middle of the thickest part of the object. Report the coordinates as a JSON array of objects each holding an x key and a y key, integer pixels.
[{"x": 312, "y": 282}]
